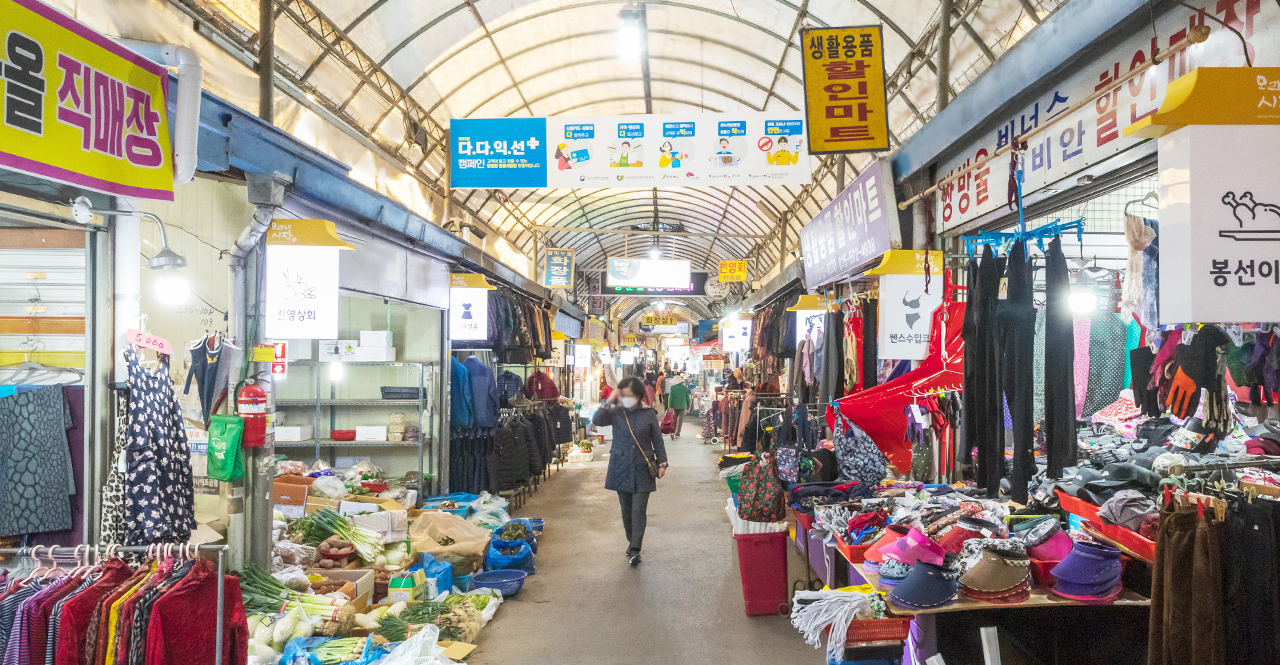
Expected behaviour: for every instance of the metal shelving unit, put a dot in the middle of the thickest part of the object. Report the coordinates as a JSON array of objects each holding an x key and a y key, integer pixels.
[{"x": 422, "y": 405}]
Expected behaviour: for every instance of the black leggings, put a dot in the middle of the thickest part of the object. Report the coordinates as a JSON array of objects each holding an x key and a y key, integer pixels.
[{"x": 634, "y": 517}]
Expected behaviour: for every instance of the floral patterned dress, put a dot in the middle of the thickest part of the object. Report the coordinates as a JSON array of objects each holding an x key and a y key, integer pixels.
[{"x": 159, "y": 499}]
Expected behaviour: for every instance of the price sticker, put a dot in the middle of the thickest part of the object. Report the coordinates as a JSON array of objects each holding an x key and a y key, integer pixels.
[{"x": 145, "y": 341}]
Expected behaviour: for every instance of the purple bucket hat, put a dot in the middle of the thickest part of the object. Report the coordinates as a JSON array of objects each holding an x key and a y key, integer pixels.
[{"x": 1089, "y": 563}]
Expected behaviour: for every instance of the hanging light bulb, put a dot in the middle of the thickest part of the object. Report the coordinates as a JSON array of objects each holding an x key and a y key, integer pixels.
[
  {"x": 655, "y": 252},
  {"x": 172, "y": 287}
]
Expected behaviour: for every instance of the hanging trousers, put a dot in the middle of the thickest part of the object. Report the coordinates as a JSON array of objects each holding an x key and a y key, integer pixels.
[
  {"x": 832, "y": 379},
  {"x": 870, "y": 337},
  {"x": 988, "y": 426},
  {"x": 1187, "y": 622},
  {"x": 974, "y": 369},
  {"x": 1059, "y": 363},
  {"x": 634, "y": 517},
  {"x": 1017, "y": 320},
  {"x": 1250, "y": 595}
]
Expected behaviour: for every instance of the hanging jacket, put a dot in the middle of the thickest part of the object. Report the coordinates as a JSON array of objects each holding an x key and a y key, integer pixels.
[
  {"x": 484, "y": 393},
  {"x": 561, "y": 424},
  {"x": 509, "y": 385},
  {"x": 535, "y": 438},
  {"x": 540, "y": 386},
  {"x": 460, "y": 401},
  {"x": 512, "y": 444}
]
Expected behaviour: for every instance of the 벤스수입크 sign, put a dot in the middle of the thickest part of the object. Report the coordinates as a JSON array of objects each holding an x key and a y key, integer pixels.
[
  {"x": 906, "y": 315},
  {"x": 79, "y": 108},
  {"x": 733, "y": 271},
  {"x": 748, "y": 148},
  {"x": 853, "y": 229},
  {"x": 557, "y": 271},
  {"x": 844, "y": 89},
  {"x": 302, "y": 279}
]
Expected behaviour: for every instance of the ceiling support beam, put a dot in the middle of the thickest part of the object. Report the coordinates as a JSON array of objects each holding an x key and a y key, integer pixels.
[
  {"x": 944, "y": 56},
  {"x": 647, "y": 232}
]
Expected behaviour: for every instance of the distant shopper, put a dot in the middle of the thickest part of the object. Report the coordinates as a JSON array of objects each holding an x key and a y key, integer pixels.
[
  {"x": 678, "y": 401},
  {"x": 637, "y": 457},
  {"x": 661, "y": 389}
]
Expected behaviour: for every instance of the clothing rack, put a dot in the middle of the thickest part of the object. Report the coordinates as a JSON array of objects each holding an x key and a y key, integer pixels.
[
  {"x": 143, "y": 549},
  {"x": 1254, "y": 461}
]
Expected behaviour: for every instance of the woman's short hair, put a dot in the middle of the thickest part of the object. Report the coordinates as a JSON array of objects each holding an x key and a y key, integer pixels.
[{"x": 633, "y": 384}]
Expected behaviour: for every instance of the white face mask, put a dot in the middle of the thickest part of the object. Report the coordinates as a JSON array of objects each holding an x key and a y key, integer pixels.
[{"x": 628, "y": 402}]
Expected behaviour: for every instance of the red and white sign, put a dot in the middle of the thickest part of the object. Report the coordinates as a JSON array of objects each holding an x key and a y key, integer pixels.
[
  {"x": 279, "y": 361},
  {"x": 145, "y": 341}
]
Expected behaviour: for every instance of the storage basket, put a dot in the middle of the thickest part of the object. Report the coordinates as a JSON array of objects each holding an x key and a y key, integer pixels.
[{"x": 878, "y": 630}]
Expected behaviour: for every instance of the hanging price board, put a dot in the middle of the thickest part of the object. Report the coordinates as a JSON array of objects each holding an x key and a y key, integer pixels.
[{"x": 145, "y": 341}]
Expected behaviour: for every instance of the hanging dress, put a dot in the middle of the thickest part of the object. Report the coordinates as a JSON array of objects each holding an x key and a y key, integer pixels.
[{"x": 159, "y": 498}]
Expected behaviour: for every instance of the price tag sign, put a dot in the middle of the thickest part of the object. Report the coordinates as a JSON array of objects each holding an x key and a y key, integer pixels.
[{"x": 145, "y": 341}]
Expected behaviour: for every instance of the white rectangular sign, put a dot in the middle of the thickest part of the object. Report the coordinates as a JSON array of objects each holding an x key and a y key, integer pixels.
[
  {"x": 735, "y": 335},
  {"x": 302, "y": 292},
  {"x": 468, "y": 314},
  {"x": 906, "y": 314},
  {"x": 1096, "y": 132},
  {"x": 668, "y": 274},
  {"x": 1220, "y": 224},
  {"x": 582, "y": 355}
]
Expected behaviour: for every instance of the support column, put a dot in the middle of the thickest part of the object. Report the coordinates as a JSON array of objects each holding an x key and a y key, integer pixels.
[
  {"x": 266, "y": 60},
  {"x": 944, "y": 55}
]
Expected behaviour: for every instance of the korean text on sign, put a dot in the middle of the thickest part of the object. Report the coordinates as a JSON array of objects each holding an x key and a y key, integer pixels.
[
  {"x": 558, "y": 272},
  {"x": 733, "y": 271},
  {"x": 845, "y": 89},
  {"x": 79, "y": 108}
]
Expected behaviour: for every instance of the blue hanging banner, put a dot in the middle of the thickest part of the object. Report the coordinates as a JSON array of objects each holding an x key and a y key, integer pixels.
[{"x": 557, "y": 269}]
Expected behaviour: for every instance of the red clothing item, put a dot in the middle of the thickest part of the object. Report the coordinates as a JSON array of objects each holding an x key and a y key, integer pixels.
[
  {"x": 77, "y": 612},
  {"x": 99, "y": 650},
  {"x": 183, "y": 625},
  {"x": 37, "y": 627},
  {"x": 540, "y": 386}
]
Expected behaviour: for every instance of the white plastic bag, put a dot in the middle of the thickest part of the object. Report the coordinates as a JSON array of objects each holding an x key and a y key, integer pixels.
[
  {"x": 329, "y": 487},
  {"x": 420, "y": 649},
  {"x": 492, "y": 608},
  {"x": 489, "y": 511},
  {"x": 743, "y": 526}
]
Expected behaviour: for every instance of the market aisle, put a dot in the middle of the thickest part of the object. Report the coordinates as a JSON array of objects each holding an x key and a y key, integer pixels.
[{"x": 586, "y": 606}]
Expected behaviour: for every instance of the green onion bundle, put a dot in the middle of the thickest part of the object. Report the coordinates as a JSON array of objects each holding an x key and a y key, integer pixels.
[
  {"x": 264, "y": 593},
  {"x": 368, "y": 544},
  {"x": 340, "y": 650}
]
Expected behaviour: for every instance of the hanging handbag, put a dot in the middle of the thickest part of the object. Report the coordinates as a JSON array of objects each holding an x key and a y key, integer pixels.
[
  {"x": 225, "y": 433},
  {"x": 787, "y": 455},
  {"x": 760, "y": 494},
  {"x": 857, "y": 455},
  {"x": 669, "y": 422},
  {"x": 653, "y": 466}
]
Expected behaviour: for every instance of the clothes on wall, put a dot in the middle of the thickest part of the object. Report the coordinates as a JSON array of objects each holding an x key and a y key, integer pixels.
[
  {"x": 519, "y": 328},
  {"x": 37, "y": 472},
  {"x": 212, "y": 358}
]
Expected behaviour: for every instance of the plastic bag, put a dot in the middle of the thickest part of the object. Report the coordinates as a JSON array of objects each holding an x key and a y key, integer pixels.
[
  {"x": 225, "y": 433},
  {"x": 489, "y": 511},
  {"x": 495, "y": 599},
  {"x": 521, "y": 560},
  {"x": 294, "y": 578},
  {"x": 461, "y": 498},
  {"x": 465, "y": 553},
  {"x": 531, "y": 538},
  {"x": 420, "y": 649},
  {"x": 329, "y": 487},
  {"x": 439, "y": 574}
]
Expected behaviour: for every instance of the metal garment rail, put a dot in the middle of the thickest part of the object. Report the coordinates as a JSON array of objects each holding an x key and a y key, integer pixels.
[{"x": 142, "y": 549}]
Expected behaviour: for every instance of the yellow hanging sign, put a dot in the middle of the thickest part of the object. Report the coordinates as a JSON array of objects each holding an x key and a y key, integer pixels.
[
  {"x": 844, "y": 89},
  {"x": 658, "y": 320},
  {"x": 733, "y": 271},
  {"x": 908, "y": 262},
  {"x": 628, "y": 340},
  {"x": 469, "y": 280},
  {"x": 1215, "y": 96},
  {"x": 305, "y": 233}
]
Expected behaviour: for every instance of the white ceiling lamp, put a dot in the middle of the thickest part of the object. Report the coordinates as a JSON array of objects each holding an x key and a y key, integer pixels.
[
  {"x": 655, "y": 252},
  {"x": 630, "y": 35}
]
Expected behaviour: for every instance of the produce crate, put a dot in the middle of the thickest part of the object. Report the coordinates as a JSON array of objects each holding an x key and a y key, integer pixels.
[
  {"x": 1130, "y": 539},
  {"x": 854, "y": 553}
]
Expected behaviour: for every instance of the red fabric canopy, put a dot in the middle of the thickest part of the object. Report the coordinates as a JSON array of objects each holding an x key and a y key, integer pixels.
[{"x": 878, "y": 411}]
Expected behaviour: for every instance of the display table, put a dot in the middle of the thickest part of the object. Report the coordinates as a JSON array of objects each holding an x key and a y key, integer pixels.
[{"x": 1040, "y": 597}]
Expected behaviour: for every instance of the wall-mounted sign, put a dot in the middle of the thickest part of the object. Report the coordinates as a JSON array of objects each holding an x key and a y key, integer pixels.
[
  {"x": 660, "y": 273},
  {"x": 468, "y": 314},
  {"x": 469, "y": 280},
  {"x": 557, "y": 354},
  {"x": 595, "y": 304},
  {"x": 905, "y": 316},
  {"x": 852, "y": 230},
  {"x": 557, "y": 269},
  {"x": 658, "y": 320},
  {"x": 733, "y": 271},
  {"x": 669, "y": 328},
  {"x": 628, "y": 340},
  {"x": 1219, "y": 224},
  {"x": 627, "y": 357},
  {"x": 708, "y": 328},
  {"x": 699, "y": 283},
  {"x": 712, "y": 362},
  {"x": 749, "y": 148},
  {"x": 80, "y": 108},
  {"x": 735, "y": 335},
  {"x": 844, "y": 89},
  {"x": 302, "y": 279},
  {"x": 568, "y": 325}
]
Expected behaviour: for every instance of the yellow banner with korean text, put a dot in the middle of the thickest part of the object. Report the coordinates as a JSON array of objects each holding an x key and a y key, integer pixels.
[
  {"x": 844, "y": 89},
  {"x": 658, "y": 320},
  {"x": 81, "y": 109},
  {"x": 733, "y": 271}
]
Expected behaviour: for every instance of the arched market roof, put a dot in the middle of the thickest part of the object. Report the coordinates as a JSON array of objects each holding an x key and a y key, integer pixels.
[{"x": 400, "y": 69}]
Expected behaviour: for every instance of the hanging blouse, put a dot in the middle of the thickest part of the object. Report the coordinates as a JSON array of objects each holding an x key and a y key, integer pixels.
[{"x": 159, "y": 495}]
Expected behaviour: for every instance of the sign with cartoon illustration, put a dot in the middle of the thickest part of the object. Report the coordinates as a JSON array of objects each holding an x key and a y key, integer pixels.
[
  {"x": 844, "y": 89},
  {"x": 1219, "y": 224},
  {"x": 906, "y": 314},
  {"x": 302, "y": 279},
  {"x": 753, "y": 148}
]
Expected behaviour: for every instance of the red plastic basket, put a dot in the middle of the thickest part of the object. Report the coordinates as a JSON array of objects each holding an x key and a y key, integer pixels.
[
  {"x": 1040, "y": 573},
  {"x": 803, "y": 519},
  {"x": 1130, "y": 539},
  {"x": 762, "y": 563},
  {"x": 878, "y": 630},
  {"x": 854, "y": 553}
]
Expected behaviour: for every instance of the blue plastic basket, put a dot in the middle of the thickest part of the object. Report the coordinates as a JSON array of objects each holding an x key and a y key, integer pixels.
[
  {"x": 509, "y": 582},
  {"x": 464, "y": 582},
  {"x": 460, "y": 512}
]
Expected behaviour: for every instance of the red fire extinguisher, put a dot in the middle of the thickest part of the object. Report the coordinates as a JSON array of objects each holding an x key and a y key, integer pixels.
[{"x": 252, "y": 404}]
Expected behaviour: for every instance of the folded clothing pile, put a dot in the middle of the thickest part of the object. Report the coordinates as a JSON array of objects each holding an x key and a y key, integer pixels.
[{"x": 1090, "y": 573}]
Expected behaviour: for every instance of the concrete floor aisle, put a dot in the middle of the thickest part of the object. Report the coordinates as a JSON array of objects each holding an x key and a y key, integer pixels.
[{"x": 683, "y": 604}]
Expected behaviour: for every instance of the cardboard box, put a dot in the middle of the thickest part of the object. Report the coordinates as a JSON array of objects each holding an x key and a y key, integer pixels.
[
  {"x": 375, "y": 338},
  {"x": 371, "y": 432},
  {"x": 376, "y": 354},
  {"x": 291, "y": 490},
  {"x": 362, "y": 579},
  {"x": 294, "y": 433},
  {"x": 298, "y": 349},
  {"x": 316, "y": 504},
  {"x": 391, "y": 525},
  {"x": 456, "y": 651},
  {"x": 355, "y": 505},
  {"x": 338, "y": 349}
]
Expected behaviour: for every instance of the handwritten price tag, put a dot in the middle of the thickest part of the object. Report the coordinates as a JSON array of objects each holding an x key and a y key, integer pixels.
[{"x": 145, "y": 341}]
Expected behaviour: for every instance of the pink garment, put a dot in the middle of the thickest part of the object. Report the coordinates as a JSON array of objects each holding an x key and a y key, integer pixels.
[{"x": 1081, "y": 332}]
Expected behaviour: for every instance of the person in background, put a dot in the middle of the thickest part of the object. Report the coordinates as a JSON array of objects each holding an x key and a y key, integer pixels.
[
  {"x": 637, "y": 447},
  {"x": 667, "y": 385},
  {"x": 660, "y": 389},
  {"x": 678, "y": 400}
]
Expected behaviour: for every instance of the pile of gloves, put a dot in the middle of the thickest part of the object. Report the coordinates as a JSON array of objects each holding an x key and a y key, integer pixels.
[{"x": 1177, "y": 373}]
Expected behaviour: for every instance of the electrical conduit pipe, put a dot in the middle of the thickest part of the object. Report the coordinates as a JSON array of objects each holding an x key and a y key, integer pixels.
[{"x": 186, "y": 125}]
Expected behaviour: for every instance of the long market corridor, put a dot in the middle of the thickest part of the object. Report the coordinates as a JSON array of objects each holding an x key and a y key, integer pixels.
[{"x": 683, "y": 604}]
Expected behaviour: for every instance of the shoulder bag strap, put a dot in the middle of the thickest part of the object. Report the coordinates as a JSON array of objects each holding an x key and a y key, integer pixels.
[{"x": 652, "y": 466}]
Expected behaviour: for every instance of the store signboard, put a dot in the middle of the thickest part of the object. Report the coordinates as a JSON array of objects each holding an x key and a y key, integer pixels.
[
  {"x": 844, "y": 89},
  {"x": 723, "y": 149},
  {"x": 733, "y": 271},
  {"x": 1096, "y": 132},
  {"x": 713, "y": 363},
  {"x": 627, "y": 357},
  {"x": 557, "y": 269},
  {"x": 468, "y": 314},
  {"x": 698, "y": 284},
  {"x": 853, "y": 229},
  {"x": 658, "y": 320},
  {"x": 905, "y": 316},
  {"x": 1219, "y": 224},
  {"x": 661, "y": 273},
  {"x": 595, "y": 304},
  {"x": 557, "y": 354},
  {"x": 629, "y": 340},
  {"x": 735, "y": 335},
  {"x": 80, "y": 108},
  {"x": 707, "y": 328},
  {"x": 302, "y": 279}
]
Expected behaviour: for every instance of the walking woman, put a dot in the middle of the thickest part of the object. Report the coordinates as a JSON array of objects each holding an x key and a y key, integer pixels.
[{"x": 637, "y": 457}]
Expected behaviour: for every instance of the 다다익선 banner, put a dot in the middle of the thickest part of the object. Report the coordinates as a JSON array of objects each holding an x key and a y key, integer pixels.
[{"x": 752, "y": 148}]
